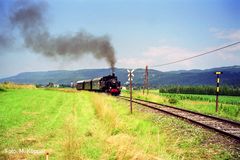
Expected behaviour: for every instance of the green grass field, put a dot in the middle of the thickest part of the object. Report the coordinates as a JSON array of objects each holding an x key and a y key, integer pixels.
[
  {"x": 81, "y": 125},
  {"x": 229, "y": 106}
]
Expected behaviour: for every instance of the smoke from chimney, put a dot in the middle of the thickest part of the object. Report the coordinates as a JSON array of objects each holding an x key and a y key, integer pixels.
[{"x": 29, "y": 19}]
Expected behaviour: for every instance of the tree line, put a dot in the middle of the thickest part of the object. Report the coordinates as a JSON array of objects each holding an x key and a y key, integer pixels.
[{"x": 205, "y": 90}]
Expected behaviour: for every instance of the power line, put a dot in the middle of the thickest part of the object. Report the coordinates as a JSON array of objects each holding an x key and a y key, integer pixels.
[{"x": 185, "y": 59}]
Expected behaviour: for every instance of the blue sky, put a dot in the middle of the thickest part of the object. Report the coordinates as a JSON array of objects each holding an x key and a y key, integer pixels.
[{"x": 143, "y": 32}]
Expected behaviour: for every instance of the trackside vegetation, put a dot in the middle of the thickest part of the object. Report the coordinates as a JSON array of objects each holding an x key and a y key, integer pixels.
[
  {"x": 229, "y": 106},
  {"x": 11, "y": 85},
  {"x": 202, "y": 90},
  {"x": 90, "y": 126}
]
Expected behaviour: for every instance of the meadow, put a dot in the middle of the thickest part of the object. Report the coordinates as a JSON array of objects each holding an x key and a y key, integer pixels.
[
  {"x": 229, "y": 106},
  {"x": 82, "y": 125}
]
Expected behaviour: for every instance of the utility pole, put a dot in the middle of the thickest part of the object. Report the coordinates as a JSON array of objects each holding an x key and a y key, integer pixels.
[
  {"x": 217, "y": 90},
  {"x": 130, "y": 78},
  {"x": 145, "y": 84}
]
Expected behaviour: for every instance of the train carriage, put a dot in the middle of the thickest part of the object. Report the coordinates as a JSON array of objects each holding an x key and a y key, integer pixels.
[
  {"x": 88, "y": 84},
  {"x": 80, "y": 85},
  {"x": 108, "y": 84},
  {"x": 96, "y": 84}
]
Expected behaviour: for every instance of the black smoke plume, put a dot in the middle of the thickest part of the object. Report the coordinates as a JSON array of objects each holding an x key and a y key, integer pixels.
[{"x": 29, "y": 17}]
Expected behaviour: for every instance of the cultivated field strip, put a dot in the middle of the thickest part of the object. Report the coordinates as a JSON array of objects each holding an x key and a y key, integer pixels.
[{"x": 224, "y": 126}]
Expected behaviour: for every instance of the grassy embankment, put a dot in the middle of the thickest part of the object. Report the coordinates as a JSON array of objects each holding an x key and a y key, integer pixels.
[
  {"x": 10, "y": 85},
  {"x": 83, "y": 125},
  {"x": 229, "y": 106}
]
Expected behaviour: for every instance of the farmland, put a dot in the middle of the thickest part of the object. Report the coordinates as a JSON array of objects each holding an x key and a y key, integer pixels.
[
  {"x": 84, "y": 125},
  {"x": 229, "y": 106}
]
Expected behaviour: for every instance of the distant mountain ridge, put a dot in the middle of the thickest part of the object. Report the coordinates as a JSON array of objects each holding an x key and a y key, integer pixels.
[{"x": 230, "y": 76}]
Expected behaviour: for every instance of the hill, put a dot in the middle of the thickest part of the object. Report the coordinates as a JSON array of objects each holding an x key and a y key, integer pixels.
[{"x": 230, "y": 76}]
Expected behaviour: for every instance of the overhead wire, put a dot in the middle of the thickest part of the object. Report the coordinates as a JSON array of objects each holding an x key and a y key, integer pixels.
[{"x": 195, "y": 56}]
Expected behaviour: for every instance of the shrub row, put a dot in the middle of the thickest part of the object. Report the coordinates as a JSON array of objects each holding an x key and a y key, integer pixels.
[{"x": 205, "y": 90}]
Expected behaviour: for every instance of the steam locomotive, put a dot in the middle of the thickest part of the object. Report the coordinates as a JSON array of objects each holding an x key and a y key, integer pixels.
[{"x": 107, "y": 84}]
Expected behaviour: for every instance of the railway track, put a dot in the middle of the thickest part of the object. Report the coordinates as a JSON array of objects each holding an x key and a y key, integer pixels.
[{"x": 221, "y": 125}]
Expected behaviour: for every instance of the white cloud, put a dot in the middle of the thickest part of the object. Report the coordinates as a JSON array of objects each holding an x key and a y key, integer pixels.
[
  {"x": 230, "y": 57},
  {"x": 168, "y": 52},
  {"x": 158, "y": 55},
  {"x": 164, "y": 54},
  {"x": 231, "y": 54},
  {"x": 139, "y": 62},
  {"x": 230, "y": 34}
]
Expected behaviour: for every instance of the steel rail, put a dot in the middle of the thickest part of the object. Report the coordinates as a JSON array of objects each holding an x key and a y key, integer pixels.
[
  {"x": 181, "y": 113},
  {"x": 165, "y": 105}
]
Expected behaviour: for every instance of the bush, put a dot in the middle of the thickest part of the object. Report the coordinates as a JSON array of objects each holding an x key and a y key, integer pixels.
[
  {"x": 172, "y": 100},
  {"x": 2, "y": 90}
]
